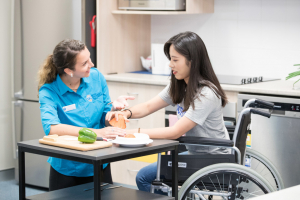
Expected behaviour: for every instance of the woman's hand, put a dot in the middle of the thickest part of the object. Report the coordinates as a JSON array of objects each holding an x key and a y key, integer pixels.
[
  {"x": 110, "y": 132},
  {"x": 121, "y": 102},
  {"x": 110, "y": 115}
]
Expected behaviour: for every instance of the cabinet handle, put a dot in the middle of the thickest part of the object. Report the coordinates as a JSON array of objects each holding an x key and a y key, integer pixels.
[
  {"x": 133, "y": 170},
  {"x": 132, "y": 93}
]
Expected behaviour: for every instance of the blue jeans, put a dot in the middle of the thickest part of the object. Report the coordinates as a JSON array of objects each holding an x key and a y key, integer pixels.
[
  {"x": 147, "y": 174},
  {"x": 145, "y": 177}
]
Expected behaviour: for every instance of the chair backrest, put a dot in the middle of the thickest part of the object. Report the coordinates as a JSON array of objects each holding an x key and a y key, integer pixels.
[{"x": 241, "y": 131}]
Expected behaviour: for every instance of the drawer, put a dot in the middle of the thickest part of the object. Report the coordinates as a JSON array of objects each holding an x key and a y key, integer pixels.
[{"x": 125, "y": 171}]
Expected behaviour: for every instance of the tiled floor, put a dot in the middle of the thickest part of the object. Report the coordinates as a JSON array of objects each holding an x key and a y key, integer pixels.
[{"x": 9, "y": 189}]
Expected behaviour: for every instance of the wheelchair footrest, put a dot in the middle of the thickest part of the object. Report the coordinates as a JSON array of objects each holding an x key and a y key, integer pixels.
[{"x": 157, "y": 183}]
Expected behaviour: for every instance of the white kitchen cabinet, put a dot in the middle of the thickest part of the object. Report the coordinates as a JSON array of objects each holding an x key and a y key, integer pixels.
[
  {"x": 142, "y": 93},
  {"x": 125, "y": 171}
]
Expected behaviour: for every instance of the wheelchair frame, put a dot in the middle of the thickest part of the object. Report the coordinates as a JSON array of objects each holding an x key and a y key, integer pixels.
[{"x": 239, "y": 160}]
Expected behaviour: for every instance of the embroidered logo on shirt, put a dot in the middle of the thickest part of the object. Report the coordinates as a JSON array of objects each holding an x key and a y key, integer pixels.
[
  {"x": 96, "y": 95},
  {"x": 89, "y": 98},
  {"x": 180, "y": 111}
]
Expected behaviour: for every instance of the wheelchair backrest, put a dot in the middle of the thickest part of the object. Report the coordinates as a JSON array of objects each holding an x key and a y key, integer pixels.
[{"x": 241, "y": 132}]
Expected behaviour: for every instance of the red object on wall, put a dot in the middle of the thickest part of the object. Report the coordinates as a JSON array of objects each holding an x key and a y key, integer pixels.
[{"x": 93, "y": 31}]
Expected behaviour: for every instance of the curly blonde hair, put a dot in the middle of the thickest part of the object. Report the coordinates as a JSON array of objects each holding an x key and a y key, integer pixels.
[{"x": 64, "y": 56}]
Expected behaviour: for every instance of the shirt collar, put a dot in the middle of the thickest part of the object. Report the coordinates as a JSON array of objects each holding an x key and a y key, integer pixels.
[{"x": 63, "y": 88}]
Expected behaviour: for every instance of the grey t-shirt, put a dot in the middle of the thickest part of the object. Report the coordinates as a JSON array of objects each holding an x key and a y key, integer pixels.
[{"x": 207, "y": 115}]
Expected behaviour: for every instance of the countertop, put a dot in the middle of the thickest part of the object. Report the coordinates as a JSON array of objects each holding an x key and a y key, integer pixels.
[
  {"x": 291, "y": 193},
  {"x": 279, "y": 87}
]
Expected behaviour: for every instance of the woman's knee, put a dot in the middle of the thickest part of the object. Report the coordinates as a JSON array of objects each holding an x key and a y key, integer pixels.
[
  {"x": 146, "y": 174},
  {"x": 139, "y": 177}
]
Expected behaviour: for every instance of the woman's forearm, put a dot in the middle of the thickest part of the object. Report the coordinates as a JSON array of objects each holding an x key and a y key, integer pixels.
[
  {"x": 64, "y": 129},
  {"x": 181, "y": 127},
  {"x": 147, "y": 108},
  {"x": 139, "y": 111},
  {"x": 161, "y": 133}
]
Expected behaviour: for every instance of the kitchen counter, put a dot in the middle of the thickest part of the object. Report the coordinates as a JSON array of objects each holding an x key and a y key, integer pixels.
[
  {"x": 291, "y": 193},
  {"x": 280, "y": 87}
]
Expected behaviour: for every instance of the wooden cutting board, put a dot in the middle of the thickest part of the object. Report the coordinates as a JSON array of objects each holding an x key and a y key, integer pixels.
[{"x": 71, "y": 142}]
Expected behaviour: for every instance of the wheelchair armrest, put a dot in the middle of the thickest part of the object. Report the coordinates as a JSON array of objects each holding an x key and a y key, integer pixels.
[
  {"x": 205, "y": 141},
  {"x": 230, "y": 128}
]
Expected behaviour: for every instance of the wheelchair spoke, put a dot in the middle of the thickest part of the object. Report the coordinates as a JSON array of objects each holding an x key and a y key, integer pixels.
[
  {"x": 203, "y": 185},
  {"x": 262, "y": 170},
  {"x": 213, "y": 184},
  {"x": 259, "y": 165},
  {"x": 219, "y": 183},
  {"x": 229, "y": 183},
  {"x": 236, "y": 186},
  {"x": 223, "y": 183},
  {"x": 251, "y": 194},
  {"x": 255, "y": 167}
]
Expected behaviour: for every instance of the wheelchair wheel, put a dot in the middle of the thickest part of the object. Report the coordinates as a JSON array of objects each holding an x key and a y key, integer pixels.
[
  {"x": 264, "y": 167},
  {"x": 225, "y": 181}
]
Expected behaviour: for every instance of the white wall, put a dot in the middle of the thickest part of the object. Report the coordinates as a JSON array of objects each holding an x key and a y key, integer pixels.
[
  {"x": 243, "y": 37},
  {"x": 6, "y": 153}
]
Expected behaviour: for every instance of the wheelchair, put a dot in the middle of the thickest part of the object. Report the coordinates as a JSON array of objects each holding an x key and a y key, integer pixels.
[{"x": 206, "y": 176}]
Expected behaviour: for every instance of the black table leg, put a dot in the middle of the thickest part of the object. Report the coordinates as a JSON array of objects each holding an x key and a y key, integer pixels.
[
  {"x": 175, "y": 173},
  {"x": 97, "y": 180},
  {"x": 21, "y": 156}
]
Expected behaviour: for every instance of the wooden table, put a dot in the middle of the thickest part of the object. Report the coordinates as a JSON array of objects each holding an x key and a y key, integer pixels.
[{"x": 97, "y": 158}]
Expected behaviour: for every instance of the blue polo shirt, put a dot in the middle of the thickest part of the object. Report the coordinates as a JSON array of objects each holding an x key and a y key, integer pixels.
[{"x": 85, "y": 108}]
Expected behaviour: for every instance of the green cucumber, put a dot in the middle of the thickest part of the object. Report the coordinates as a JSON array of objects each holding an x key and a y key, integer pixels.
[{"x": 87, "y": 136}]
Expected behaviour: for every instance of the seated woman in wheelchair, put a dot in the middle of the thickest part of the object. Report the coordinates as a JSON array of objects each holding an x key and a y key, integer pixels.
[{"x": 195, "y": 90}]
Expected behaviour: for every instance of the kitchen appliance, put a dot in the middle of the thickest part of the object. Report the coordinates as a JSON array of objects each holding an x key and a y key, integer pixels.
[
  {"x": 152, "y": 4},
  {"x": 241, "y": 80},
  {"x": 160, "y": 63},
  {"x": 278, "y": 138},
  {"x": 38, "y": 27}
]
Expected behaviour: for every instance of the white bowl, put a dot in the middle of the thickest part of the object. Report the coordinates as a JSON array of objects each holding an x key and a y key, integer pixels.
[{"x": 138, "y": 137}]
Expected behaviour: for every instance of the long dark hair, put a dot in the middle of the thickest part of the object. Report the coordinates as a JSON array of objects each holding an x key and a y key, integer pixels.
[
  {"x": 64, "y": 56},
  {"x": 191, "y": 46}
]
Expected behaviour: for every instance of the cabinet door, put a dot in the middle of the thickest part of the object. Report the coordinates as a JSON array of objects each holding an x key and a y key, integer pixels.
[
  {"x": 142, "y": 93},
  {"x": 125, "y": 171}
]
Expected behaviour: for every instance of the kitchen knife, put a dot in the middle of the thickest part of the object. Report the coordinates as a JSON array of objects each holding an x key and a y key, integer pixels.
[{"x": 101, "y": 139}]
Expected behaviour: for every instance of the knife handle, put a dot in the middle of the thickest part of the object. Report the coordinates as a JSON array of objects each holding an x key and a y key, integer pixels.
[{"x": 101, "y": 139}]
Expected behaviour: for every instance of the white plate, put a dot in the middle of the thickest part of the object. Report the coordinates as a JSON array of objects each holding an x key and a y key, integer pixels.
[
  {"x": 138, "y": 137},
  {"x": 125, "y": 143}
]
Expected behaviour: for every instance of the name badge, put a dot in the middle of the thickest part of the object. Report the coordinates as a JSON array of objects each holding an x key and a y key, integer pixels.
[{"x": 69, "y": 107}]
